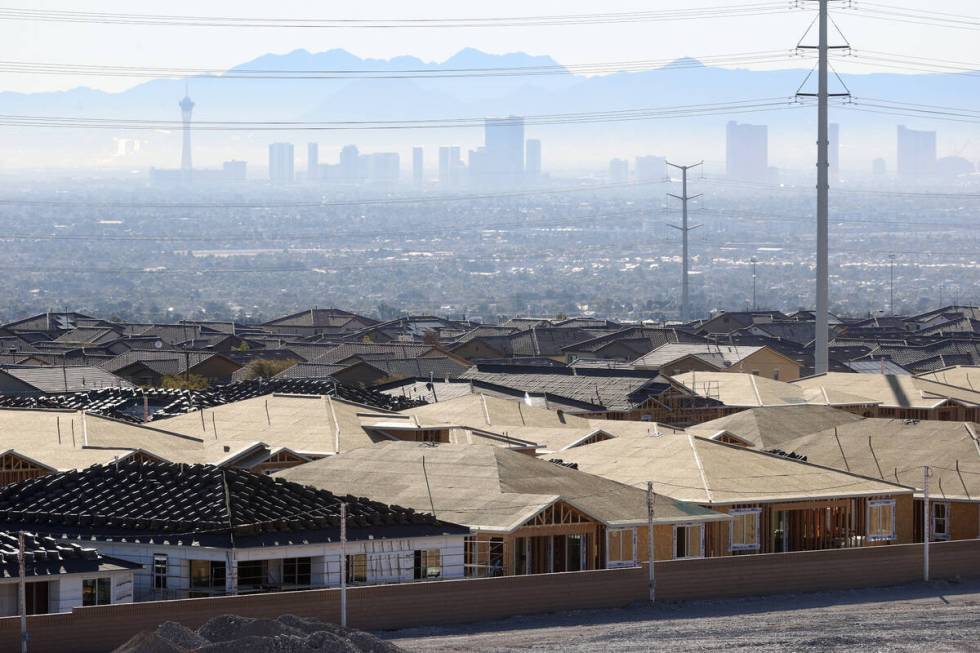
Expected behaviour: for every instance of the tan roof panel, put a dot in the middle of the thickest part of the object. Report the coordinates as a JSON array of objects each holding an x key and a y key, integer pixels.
[
  {"x": 750, "y": 390},
  {"x": 897, "y": 451},
  {"x": 482, "y": 486},
  {"x": 890, "y": 391},
  {"x": 696, "y": 469},
  {"x": 768, "y": 427}
]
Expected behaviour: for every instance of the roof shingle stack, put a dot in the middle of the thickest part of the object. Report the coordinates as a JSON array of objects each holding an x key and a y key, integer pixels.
[{"x": 134, "y": 499}]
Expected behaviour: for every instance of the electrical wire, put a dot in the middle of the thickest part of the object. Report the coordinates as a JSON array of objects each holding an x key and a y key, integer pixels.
[
  {"x": 641, "y": 65},
  {"x": 863, "y": 191},
  {"x": 617, "y": 115},
  {"x": 751, "y": 9},
  {"x": 916, "y": 19}
]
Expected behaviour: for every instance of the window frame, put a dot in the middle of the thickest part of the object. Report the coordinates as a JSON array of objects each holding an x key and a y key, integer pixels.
[
  {"x": 247, "y": 576},
  {"x": 297, "y": 570},
  {"x": 625, "y": 536},
  {"x": 216, "y": 577},
  {"x": 159, "y": 580},
  {"x": 687, "y": 543},
  {"x": 96, "y": 591},
  {"x": 741, "y": 512},
  {"x": 945, "y": 535},
  {"x": 423, "y": 567},
  {"x": 356, "y": 568},
  {"x": 872, "y": 506}
]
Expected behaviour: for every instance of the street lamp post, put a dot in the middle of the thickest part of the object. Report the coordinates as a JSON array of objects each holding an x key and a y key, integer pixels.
[{"x": 891, "y": 283}]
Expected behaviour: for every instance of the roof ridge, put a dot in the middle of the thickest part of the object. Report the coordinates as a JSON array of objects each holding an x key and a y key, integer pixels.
[{"x": 697, "y": 460}]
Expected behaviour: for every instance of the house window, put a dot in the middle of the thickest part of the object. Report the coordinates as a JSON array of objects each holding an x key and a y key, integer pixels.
[
  {"x": 253, "y": 574},
  {"x": 296, "y": 571},
  {"x": 775, "y": 375},
  {"x": 159, "y": 571},
  {"x": 357, "y": 568},
  {"x": 428, "y": 564},
  {"x": 745, "y": 529},
  {"x": 940, "y": 521},
  {"x": 881, "y": 520},
  {"x": 621, "y": 546},
  {"x": 96, "y": 591},
  {"x": 688, "y": 541},
  {"x": 484, "y": 557},
  {"x": 208, "y": 574}
]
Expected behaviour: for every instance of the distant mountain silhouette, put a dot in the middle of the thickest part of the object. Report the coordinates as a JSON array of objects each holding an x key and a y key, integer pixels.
[{"x": 685, "y": 81}]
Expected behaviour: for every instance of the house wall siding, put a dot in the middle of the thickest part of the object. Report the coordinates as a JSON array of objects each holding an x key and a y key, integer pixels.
[
  {"x": 388, "y": 560},
  {"x": 964, "y": 520}
]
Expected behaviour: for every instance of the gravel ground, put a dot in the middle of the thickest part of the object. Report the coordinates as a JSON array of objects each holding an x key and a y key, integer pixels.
[{"x": 940, "y": 616}]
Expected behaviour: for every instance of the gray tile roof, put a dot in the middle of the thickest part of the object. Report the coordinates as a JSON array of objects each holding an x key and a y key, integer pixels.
[
  {"x": 612, "y": 392},
  {"x": 57, "y": 380}
]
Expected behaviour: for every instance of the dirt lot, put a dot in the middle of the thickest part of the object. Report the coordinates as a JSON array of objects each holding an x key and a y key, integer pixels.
[{"x": 938, "y": 616}]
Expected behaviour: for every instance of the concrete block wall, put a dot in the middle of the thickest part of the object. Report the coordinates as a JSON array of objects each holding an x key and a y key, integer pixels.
[{"x": 100, "y": 629}]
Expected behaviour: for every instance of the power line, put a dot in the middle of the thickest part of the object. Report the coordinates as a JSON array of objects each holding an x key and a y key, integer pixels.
[
  {"x": 880, "y": 11},
  {"x": 617, "y": 115},
  {"x": 640, "y": 65},
  {"x": 107, "y": 18},
  {"x": 863, "y": 191}
]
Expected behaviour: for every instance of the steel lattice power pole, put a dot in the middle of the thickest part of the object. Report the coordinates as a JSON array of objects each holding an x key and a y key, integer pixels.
[
  {"x": 821, "y": 361},
  {"x": 684, "y": 228}
]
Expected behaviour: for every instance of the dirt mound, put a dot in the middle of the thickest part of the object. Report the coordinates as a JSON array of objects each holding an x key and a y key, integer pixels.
[{"x": 233, "y": 634}]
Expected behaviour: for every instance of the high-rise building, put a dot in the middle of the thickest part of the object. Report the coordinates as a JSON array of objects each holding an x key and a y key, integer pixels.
[
  {"x": 879, "y": 167},
  {"x": 916, "y": 152},
  {"x": 234, "y": 170},
  {"x": 383, "y": 168},
  {"x": 650, "y": 168},
  {"x": 418, "y": 166},
  {"x": 503, "y": 163},
  {"x": 747, "y": 152},
  {"x": 186, "y": 109},
  {"x": 351, "y": 168},
  {"x": 532, "y": 160},
  {"x": 312, "y": 161},
  {"x": 619, "y": 171},
  {"x": 834, "y": 152},
  {"x": 450, "y": 166},
  {"x": 281, "y": 163}
]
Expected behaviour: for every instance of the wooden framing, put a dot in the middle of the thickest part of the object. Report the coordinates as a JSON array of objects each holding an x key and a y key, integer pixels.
[
  {"x": 538, "y": 545},
  {"x": 14, "y": 468},
  {"x": 814, "y": 525},
  {"x": 672, "y": 407},
  {"x": 278, "y": 461}
]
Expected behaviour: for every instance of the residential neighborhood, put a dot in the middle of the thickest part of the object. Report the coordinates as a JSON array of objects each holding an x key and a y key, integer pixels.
[
  {"x": 528, "y": 326},
  {"x": 164, "y": 474}
]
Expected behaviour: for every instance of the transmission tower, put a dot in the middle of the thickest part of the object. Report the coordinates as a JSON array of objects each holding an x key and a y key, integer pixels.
[
  {"x": 821, "y": 359},
  {"x": 186, "y": 109},
  {"x": 684, "y": 228}
]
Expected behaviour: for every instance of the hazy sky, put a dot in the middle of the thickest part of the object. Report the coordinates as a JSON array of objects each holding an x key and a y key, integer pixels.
[{"x": 221, "y": 47}]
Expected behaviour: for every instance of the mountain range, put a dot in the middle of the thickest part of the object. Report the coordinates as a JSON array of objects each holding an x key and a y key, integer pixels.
[{"x": 219, "y": 99}]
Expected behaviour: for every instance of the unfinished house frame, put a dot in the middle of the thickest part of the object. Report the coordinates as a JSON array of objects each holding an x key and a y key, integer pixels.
[
  {"x": 526, "y": 515},
  {"x": 774, "y": 504}
]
